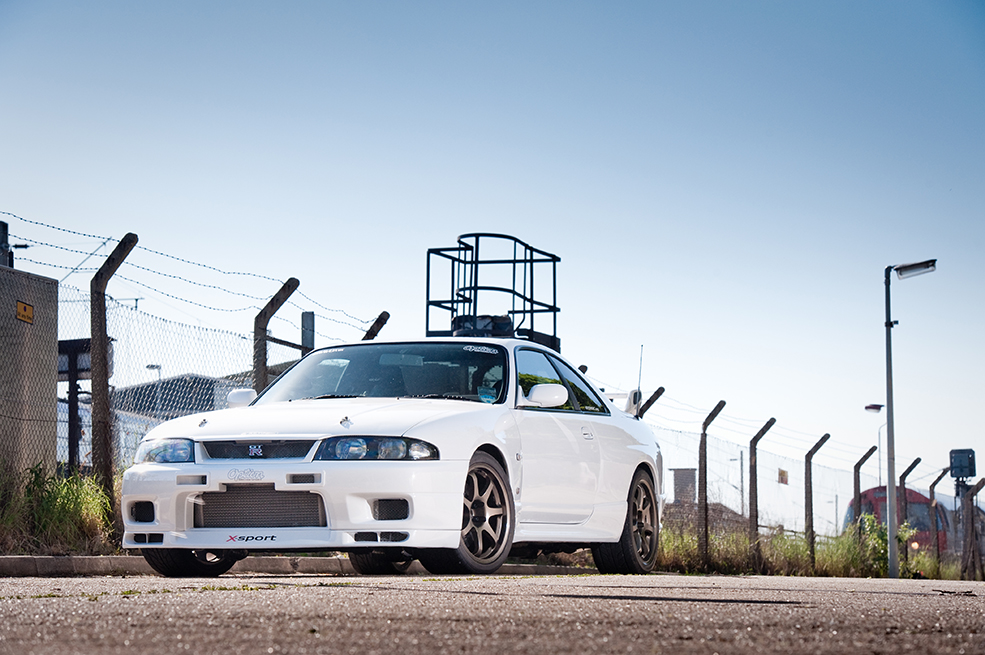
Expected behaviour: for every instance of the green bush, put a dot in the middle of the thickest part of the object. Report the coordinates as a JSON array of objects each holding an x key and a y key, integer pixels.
[{"x": 51, "y": 515}]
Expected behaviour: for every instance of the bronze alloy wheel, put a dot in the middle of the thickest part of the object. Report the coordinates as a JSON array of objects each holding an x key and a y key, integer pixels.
[
  {"x": 636, "y": 550},
  {"x": 488, "y": 516},
  {"x": 643, "y": 519},
  {"x": 485, "y": 513}
]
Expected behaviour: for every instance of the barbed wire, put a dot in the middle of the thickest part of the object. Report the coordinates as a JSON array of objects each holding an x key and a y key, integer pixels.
[
  {"x": 719, "y": 449},
  {"x": 52, "y": 227},
  {"x": 363, "y": 322},
  {"x": 185, "y": 300},
  {"x": 64, "y": 268}
]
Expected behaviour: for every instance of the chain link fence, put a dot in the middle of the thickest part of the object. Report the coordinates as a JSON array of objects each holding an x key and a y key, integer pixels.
[
  {"x": 162, "y": 369},
  {"x": 780, "y": 484}
]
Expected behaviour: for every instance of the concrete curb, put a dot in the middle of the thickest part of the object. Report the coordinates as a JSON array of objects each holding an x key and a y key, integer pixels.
[
  {"x": 28, "y": 566},
  {"x": 45, "y": 567}
]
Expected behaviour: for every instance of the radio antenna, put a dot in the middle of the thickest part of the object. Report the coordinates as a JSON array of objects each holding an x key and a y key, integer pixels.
[{"x": 639, "y": 384}]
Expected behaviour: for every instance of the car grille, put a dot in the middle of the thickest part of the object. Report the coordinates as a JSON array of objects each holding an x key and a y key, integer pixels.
[
  {"x": 259, "y": 506},
  {"x": 257, "y": 449}
]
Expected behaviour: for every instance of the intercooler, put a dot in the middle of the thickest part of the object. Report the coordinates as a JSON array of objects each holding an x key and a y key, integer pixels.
[{"x": 259, "y": 506}]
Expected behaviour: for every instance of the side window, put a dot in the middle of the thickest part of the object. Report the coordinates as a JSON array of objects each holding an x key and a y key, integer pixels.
[
  {"x": 588, "y": 401},
  {"x": 533, "y": 368}
]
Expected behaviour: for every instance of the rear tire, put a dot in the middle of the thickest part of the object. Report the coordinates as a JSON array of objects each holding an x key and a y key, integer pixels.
[
  {"x": 636, "y": 550},
  {"x": 183, "y": 563},
  {"x": 488, "y": 521},
  {"x": 373, "y": 563}
]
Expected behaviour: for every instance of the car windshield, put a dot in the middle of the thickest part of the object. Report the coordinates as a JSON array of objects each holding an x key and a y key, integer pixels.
[{"x": 461, "y": 371}]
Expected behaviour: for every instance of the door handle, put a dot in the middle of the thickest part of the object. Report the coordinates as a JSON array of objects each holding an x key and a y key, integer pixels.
[{"x": 587, "y": 433}]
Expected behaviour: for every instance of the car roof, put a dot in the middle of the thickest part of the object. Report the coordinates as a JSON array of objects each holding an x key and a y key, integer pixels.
[{"x": 506, "y": 342}]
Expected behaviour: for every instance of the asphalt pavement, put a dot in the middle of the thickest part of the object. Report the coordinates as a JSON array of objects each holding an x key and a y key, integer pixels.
[
  {"x": 337, "y": 613},
  {"x": 20, "y": 566}
]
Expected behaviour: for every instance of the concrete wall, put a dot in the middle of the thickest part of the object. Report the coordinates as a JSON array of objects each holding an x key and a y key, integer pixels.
[{"x": 28, "y": 369}]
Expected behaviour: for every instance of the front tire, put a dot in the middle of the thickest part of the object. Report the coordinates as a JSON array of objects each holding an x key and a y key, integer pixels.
[
  {"x": 488, "y": 522},
  {"x": 183, "y": 563},
  {"x": 373, "y": 563},
  {"x": 636, "y": 550}
]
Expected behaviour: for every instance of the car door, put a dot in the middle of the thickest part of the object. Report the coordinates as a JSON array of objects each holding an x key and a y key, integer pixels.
[{"x": 560, "y": 455}]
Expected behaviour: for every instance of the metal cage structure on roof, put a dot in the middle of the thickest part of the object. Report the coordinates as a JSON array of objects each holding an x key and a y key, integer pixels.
[{"x": 496, "y": 286}]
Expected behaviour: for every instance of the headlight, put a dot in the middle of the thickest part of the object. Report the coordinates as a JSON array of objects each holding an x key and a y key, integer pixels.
[
  {"x": 165, "y": 451},
  {"x": 389, "y": 448}
]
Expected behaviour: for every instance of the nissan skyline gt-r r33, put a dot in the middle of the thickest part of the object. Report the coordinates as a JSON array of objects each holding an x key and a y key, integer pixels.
[{"x": 449, "y": 451}]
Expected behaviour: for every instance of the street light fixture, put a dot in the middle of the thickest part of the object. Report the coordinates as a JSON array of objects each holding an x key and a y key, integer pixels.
[
  {"x": 157, "y": 390},
  {"x": 903, "y": 271}
]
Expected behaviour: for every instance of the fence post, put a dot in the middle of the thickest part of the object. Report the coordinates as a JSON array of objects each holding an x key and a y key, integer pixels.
[
  {"x": 649, "y": 402},
  {"x": 933, "y": 522},
  {"x": 703, "y": 486},
  {"x": 307, "y": 332},
  {"x": 6, "y": 252},
  {"x": 906, "y": 504},
  {"x": 102, "y": 421},
  {"x": 857, "y": 499},
  {"x": 971, "y": 557},
  {"x": 260, "y": 332},
  {"x": 375, "y": 328},
  {"x": 756, "y": 554},
  {"x": 809, "y": 498}
]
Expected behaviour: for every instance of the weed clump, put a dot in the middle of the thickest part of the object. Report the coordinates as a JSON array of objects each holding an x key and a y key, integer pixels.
[
  {"x": 46, "y": 514},
  {"x": 855, "y": 553}
]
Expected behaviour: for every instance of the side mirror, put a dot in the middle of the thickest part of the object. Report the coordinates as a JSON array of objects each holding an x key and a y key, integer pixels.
[
  {"x": 545, "y": 395},
  {"x": 240, "y": 397}
]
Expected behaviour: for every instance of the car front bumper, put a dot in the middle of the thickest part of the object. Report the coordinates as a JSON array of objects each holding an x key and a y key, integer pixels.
[{"x": 299, "y": 505}]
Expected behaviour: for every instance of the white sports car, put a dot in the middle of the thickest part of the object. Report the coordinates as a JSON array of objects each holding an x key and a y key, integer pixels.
[{"x": 450, "y": 451}]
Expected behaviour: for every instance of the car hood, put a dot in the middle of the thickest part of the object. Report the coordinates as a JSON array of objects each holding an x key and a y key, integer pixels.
[{"x": 316, "y": 418}]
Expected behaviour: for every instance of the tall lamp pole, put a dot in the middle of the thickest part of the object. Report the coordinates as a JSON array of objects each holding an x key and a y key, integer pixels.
[{"x": 903, "y": 271}]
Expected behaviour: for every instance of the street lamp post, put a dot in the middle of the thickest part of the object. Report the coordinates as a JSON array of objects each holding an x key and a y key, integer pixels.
[
  {"x": 157, "y": 390},
  {"x": 903, "y": 271},
  {"x": 879, "y": 449},
  {"x": 875, "y": 409}
]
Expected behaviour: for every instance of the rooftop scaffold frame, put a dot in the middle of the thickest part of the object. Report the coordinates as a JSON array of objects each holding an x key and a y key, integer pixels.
[{"x": 510, "y": 272}]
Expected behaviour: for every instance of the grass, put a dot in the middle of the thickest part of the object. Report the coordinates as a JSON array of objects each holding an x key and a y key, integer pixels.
[
  {"x": 784, "y": 553},
  {"x": 44, "y": 514}
]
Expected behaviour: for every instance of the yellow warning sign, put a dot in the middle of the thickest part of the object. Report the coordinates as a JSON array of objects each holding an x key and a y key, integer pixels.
[{"x": 25, "y": 312}]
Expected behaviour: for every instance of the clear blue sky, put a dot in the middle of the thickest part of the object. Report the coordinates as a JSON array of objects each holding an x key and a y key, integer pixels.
[{"x": 725, "y": 182}]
